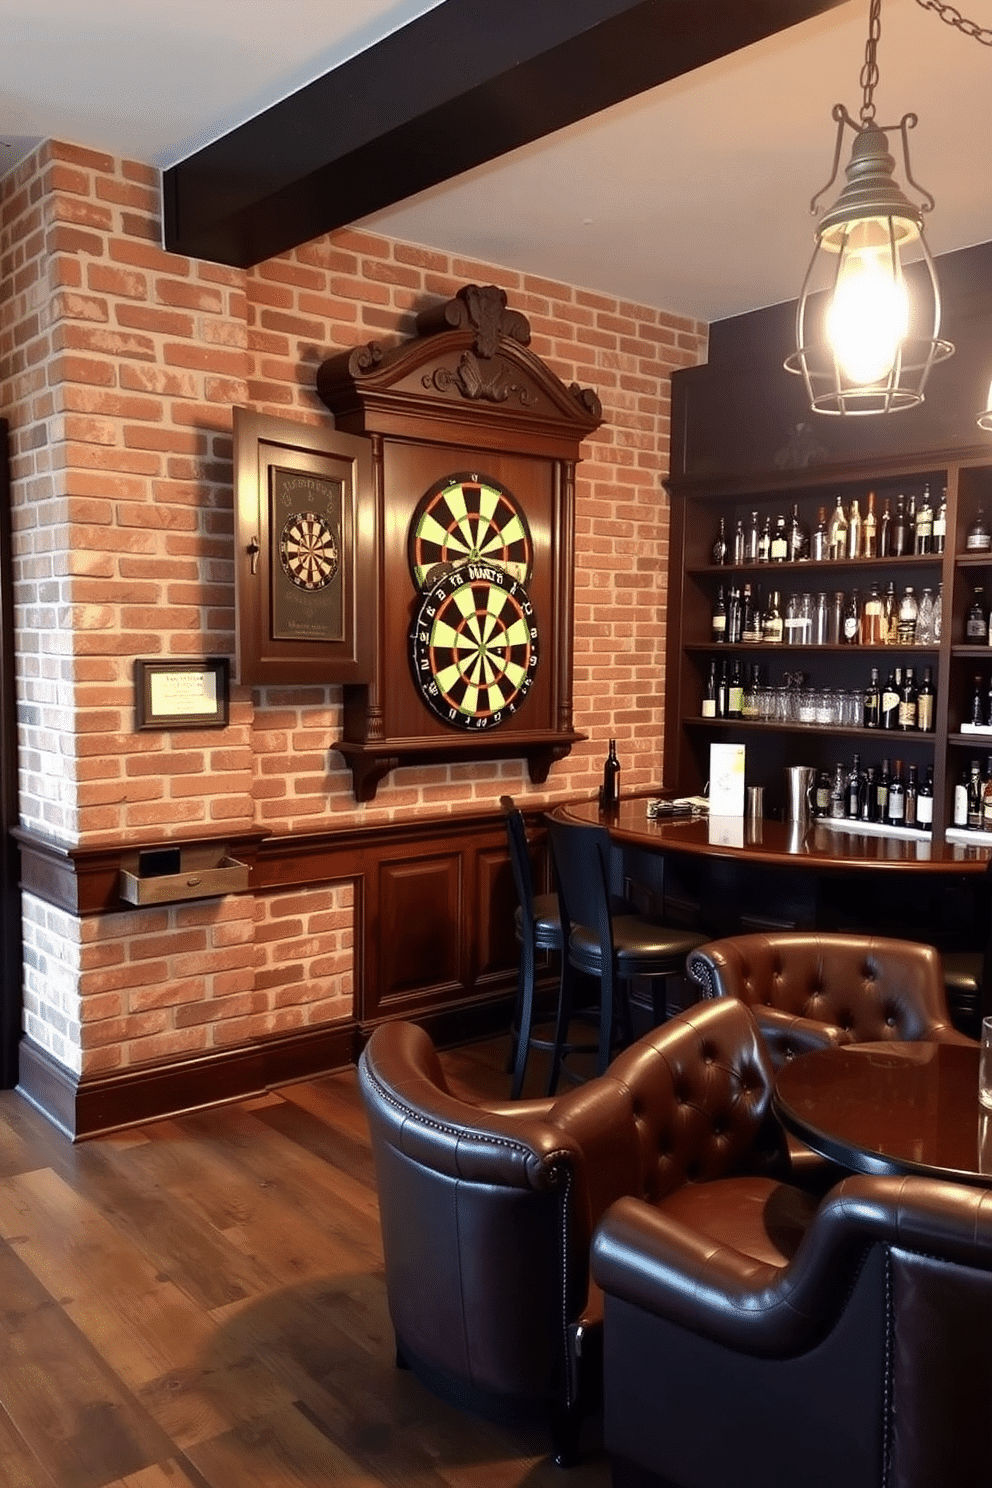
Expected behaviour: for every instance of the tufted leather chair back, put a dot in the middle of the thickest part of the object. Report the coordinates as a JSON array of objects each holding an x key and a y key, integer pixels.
[{"x": 861, "y": 989}]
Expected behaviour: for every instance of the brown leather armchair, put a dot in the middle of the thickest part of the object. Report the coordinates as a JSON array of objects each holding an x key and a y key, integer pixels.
[
  {"x": 488, "y": 1211},
  {"x": 862, "y": 1359},
  {"x": 810, "y": 989}
]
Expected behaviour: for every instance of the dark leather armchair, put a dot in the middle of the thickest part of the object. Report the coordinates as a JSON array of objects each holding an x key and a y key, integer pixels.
[
  {"x": 811, "y": 989},
  {"x": 488, "y": 1211},
  {"x": 862, "y": 1359}
]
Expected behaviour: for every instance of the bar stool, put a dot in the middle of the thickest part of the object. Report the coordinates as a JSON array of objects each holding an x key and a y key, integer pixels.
[
  {"x": 537, "y": 923},
  {"x": 611, "y": 946}
]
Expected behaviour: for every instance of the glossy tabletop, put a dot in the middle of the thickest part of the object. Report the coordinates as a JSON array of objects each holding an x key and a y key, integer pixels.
[
  {"x": 891, "y": 1108},
  {"x": 818, "y": 846}
]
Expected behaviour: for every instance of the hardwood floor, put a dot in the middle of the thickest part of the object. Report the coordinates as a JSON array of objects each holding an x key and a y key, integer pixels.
[{"x": 199, "y": 1303}]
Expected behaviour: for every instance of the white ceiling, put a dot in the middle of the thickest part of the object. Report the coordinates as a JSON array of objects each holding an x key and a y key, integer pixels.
[{"x": 693, "y": 197}]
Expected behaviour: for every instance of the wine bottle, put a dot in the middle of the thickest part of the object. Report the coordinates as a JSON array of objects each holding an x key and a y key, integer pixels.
[
  {"x": 723, "y": 691},
  {"x": 896, "y": 809},
  {"x": 976, "y": 622},
  {"x": 735, "y": 692},
  {"x": 885, "y": 531},
  {"x": 771, "y": 625},
  {"x": 821, "y": 801},
  {"x": 838, "y": 794},
  {"x": 708, "y": 709},
  {"x": 851, "y": 633},
  {"x": 890, "y": 703},
  {"x": 924, "y": 801},
  {"x": 852, "y": 790},
  {"x": 869, "y": 796},
  {"x": 976, "y": 705},
  {"x": 873, "y": 701},
  {"x": 854, "y": 531},
  {"x": 735, "y": 618},
  {"x": 987, "y": 797},
  {"x": 779, "y": 550},
  {"x": 765, "y": 542},
  {"x": 611, "y": 778},
  {"x": 899, "y": 533},
  {"x": 912, "y": 796},
  {"x": 882, "y": 793},
  {"x": 907, "y": 703},
  {"x": 837, "y": 532},
  {"x": 869, "y": 529},
  {"x": 720, "y": 616},
  {"x": 908, "y": 613},
  {"x": 740, "y": 542},
  {"x": 940, "y": 524},
  {"x": 923, "y": 536},
  {"x": 961, "y": 801},
  {"x": 975, "y": 795},
  {"x": 926, "y": 702},
  {"x": 890, "y": 616},
  {"x": 752, "y": 540},
  {"x": 719, "y": 549},
  {"x": 798, "y": 537},
  {"x": 751, "y": 615}
]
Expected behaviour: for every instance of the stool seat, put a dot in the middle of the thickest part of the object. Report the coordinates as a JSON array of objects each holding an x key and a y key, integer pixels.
[
  {"x": 546, "y": 923},
  {"x": 640, "y": 947}
]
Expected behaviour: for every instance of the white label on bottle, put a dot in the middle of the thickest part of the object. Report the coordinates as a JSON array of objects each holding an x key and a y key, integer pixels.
[
  {"x": 960, "y": 805},
  {"x": 773, "y": 630},
  {"x": 897, "y": 806},
  {"x": 924, "y": 810},
  {"x": 709, "y": 708}
]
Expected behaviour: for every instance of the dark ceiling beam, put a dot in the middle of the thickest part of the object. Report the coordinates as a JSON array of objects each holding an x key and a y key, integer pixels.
[{"x": 463, "y": 84}]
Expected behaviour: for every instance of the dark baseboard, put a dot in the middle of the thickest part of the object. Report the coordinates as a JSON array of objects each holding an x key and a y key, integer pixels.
[{"x": 84, "y": 1107}]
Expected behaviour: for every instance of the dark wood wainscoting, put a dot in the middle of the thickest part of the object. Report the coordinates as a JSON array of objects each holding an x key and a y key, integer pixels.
[{"x": 434, "y": 941}]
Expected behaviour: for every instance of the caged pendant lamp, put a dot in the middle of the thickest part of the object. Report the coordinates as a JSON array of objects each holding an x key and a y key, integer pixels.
[{"x": 868, "y": 317}]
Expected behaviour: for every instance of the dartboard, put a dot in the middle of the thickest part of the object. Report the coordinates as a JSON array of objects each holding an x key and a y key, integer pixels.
[
  {"x": 468, "y": 518},
  {"x": 309, "y": 550},
  {"x": 474, "y": 646}
]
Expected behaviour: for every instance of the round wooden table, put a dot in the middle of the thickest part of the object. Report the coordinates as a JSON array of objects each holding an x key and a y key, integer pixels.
[{"x": 891, "y": 1108}]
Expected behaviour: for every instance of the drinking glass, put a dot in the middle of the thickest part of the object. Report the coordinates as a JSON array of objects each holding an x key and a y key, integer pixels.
[{"x": 985, "y": 1065}]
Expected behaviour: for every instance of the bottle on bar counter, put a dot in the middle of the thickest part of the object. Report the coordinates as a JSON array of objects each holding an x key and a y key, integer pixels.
[{"x": 611, "y": 778}]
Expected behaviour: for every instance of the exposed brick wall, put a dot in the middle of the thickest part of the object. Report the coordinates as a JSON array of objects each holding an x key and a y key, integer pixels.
[{"x": 119, "y": 366}]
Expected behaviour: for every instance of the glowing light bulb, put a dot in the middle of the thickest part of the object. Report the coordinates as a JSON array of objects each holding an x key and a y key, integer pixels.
[{"x": 868, "y": 317}]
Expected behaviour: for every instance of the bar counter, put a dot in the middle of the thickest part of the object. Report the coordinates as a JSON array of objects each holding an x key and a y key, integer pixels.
[{"x": 819, "y": 847}]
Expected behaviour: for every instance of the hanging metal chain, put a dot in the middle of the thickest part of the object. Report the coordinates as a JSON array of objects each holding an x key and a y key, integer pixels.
[
  {"x": 869, "y": 72},
  {"x": 958, "y": 21}
]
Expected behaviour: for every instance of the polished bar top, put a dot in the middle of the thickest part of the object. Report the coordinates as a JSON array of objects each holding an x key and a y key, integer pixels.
[
  {"x": 906, "y": 1108},
  {"x": 771, "y": 842}
]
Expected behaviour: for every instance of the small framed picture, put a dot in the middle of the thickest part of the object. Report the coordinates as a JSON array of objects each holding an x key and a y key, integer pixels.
[{"x": 182, "y": 694}]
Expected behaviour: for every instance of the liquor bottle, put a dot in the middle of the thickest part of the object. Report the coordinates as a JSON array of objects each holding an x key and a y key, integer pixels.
[
  {"x": 940, "y": 524},
  {"x": 752, "y": 540},
  {"x": 987, "y": 797},
  {"x": 926, "y": 702},
  {"x": 924, "y": 620},
  {"x": 854, "y": 530},
  {"x": 976, "y": 706},
  {"x": 765, "y": 542},
  {"x": 708, "y": 709},
  {"x": 751, "y": 614},
  {"x": 838, "y": 794},
  {"x": 961, "y": 801},
  {"x": 975, "y": 795},
  {"x": 924, "y": 801},
  {"x": 798, "y": 537},
  {"x": 821, "y": 621},
  {"x": 885, "y": 531},
  {"x": 750, "y": 707},
  {"x": 851, "y": 631},
  {"x": 869, "y": 797},
  {"x": 890, "y": 703},
  {"x": 821, "y": 800},
  {"x": 611, "y": 778},
  {"x": 735, "y": 619},
  {"x": 912, "y": 798},
  {"x": 908, "y": 613},
  {"x": 735, "y": 692},
  {"x": 740, "y": 542},
  {"x": 882, "y": 793},
  {"x": 938, "y": 615},
  {"x": 899, "y": 533},
  {"x": 896, "y": 808},
  {"x": 720, "y": 616},
  {"x": 873, "y": 619},
  {"x": 907, "y": 703},
  {"x": 771, "y": 624},
  {"x": 723, "y": 691},
  {"x": 869, "y": 530},
  {"x": 820, "y": 541},
  {"x": 837, "y": 532},
  {"x": 890, "y": 616},
  {"x": 923, "y": 535},
  {"x": 853, "y": 789},
  {"x": 873, "y": 701},
  {"x": 719, "y": 550},
  {"x": 978, "y": 538},
  {"x": 976, "y": 623},
  {"x": 779, "y": 550}
]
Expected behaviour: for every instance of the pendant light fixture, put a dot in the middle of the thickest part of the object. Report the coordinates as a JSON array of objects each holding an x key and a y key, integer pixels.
[{"x": 868, "y": 318}]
